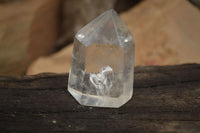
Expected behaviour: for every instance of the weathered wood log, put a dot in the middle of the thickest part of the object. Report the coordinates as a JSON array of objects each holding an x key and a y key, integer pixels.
[{"x": 166, "y": 99}]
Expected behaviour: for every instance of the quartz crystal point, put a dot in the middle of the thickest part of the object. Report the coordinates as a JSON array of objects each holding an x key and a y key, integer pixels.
[{"x": 102, "y": 63}]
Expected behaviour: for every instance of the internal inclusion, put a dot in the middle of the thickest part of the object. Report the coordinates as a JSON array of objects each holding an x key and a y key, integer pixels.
[{"x": 102, "y": 81}]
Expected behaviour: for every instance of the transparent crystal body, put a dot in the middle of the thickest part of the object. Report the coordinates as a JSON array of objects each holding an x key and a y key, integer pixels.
[{"x": 102, "y": 63}]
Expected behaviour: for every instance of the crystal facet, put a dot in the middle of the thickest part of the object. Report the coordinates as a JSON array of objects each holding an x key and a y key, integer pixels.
[{"x": 102, "y": 63}]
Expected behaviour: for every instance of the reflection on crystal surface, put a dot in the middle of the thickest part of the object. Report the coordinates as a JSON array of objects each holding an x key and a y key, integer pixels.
[{"x": 102, "y": 63}]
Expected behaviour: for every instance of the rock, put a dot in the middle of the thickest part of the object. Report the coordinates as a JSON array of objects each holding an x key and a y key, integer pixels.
[
  {"x": 28, "y": 29},
  {"x": 165, "y": 33},
  {"x": 59, "y": 62}
]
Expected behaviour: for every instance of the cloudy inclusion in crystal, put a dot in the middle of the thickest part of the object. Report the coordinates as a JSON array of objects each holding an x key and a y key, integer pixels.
[{"x": 102, "y": 63}]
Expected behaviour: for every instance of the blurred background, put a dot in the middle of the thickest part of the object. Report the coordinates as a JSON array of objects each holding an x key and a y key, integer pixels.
[{"x": 37, "y": 35}]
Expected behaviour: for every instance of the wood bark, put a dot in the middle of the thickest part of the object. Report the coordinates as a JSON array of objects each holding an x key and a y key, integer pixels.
[{"x": 166, "y": 100}]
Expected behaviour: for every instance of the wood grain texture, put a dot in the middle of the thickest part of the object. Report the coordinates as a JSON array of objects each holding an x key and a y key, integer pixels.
[{"x": 166, "y": 100}]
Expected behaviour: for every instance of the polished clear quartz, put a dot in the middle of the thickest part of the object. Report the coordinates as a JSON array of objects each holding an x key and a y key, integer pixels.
[{"x": 102, "y": 63}]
